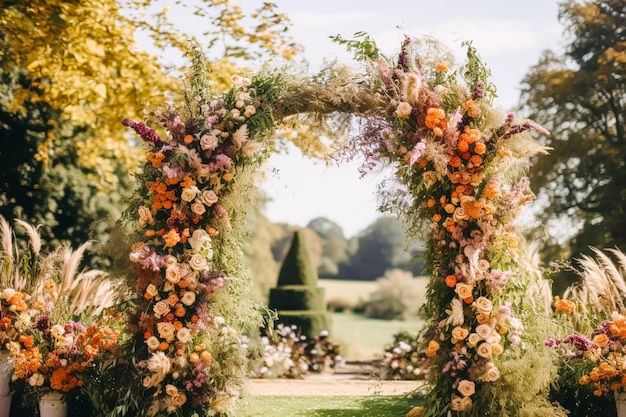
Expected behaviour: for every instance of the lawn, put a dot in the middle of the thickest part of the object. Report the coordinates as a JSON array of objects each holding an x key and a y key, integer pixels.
[
  {"x": 360, "y": 337},
  {"x": 314, "y": 406}
]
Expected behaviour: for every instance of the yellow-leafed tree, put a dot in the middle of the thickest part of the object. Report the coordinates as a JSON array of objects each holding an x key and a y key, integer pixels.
[{"x": 72, "y": 70}]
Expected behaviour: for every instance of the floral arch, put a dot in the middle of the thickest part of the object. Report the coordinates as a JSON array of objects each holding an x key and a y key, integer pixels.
[{"x": 459, "y": 184}]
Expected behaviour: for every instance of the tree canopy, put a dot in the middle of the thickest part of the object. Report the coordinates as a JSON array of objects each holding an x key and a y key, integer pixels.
[
  {"x": 580, "y": 97},
  {"x": 72, "y": 70}
]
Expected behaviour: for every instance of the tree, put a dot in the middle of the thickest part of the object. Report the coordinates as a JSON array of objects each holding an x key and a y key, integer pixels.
[
  {"x": 334, "y": 245},
  {"x": 581, "y": 98},
  {"x": 72, "y": 71},
  {"x": 381, "y": 247}
]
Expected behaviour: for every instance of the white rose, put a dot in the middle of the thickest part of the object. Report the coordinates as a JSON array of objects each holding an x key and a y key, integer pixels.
[
  {"x": 153, "y": 343},
  {"x": 208, "y": 142},
  {"x": 198, "y": 239},
  {"x": 188, "y": 298},
  {"x": 172, "y": 274},
  {"x": 198, "y": 262},
  {"x": 183, "y": 335},
  {"x": 484, "y": 331},
  {"x": 467, "y": 388},
  {"x": 484, "y": 305}
]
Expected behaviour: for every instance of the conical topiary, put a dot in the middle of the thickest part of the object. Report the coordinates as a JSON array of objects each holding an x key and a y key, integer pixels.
[{"x": 297, "y": 298}]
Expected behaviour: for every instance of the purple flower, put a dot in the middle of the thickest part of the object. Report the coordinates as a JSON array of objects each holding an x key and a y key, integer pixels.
[
  {"x": 43, "y": 323},
  {"x": 146, "y": 133},
  {"x": 479, "y": 91}
]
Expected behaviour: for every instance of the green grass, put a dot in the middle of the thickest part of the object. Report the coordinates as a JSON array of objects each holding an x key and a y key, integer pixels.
[
  {"x": 318, "y": 406},
  {"x": 364, "y": 338}
]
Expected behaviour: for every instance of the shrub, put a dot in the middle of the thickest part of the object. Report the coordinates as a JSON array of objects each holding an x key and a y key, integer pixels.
[{"x": 398, "y": 296}]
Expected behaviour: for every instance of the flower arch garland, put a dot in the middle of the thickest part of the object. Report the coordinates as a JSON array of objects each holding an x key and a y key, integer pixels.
[{"x": 459, "y": 176}]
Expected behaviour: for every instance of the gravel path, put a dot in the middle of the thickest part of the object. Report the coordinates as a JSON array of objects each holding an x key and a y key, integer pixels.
[{"x": 330, "y": 386}]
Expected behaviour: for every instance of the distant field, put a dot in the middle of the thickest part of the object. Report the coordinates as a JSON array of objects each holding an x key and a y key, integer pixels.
[
  {"x": 357, "y": 290},
  {"x": 361, "y": 337}
]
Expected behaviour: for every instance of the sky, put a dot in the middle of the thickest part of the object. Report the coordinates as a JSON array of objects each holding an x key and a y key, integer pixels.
[{"x": 508, "y": 35}]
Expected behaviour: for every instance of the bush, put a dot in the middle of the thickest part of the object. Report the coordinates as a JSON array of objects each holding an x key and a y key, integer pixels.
[{"x": 398, "y": 296}]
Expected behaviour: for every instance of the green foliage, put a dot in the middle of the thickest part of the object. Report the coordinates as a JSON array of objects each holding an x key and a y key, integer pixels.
[
  {"x": 580, "y": 97},
  {"x": 398, "y": 296},
  {"x": 297, "y": 268},
  {"x": 382, "y": 246},
  {"x": 363, "y": 46}
]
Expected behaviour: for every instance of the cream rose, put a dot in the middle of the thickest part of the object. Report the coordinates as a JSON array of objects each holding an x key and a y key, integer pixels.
[
  {"x": 166, "y": 331},
  {"x": 198, "y": 209},
  {"x": 483, "y": 265},
  {"x": 484, "y": 350},
  {"x": 208, "y": 142},
  {"x": 198, "y": 262},
  {"x": 473, "y": 339},
  {"x": 188, "y": 298},
  {"x": 189, "y": 193},
  {"x": 172, "y": 274},
  {"x": 161, "y": 308},
  {"x": 404, "y": 110},
  {"x": 459, "y": 333},
  {"x": 466, "y": 388},
  {"x": 484, "y": 331},
  {"x": 492, "y": 374},
  {"x": 496, "y": 349},
  {"x": 183, "y": 335},
  {"x": 460, "y": 403},
  {"x": 464, "y": 290},
  {"x": 170, "y": 261},
  {"x": 209, "y": 197},
  {"x": 152, "y": 290},
  {"x": 153, "y": 343}
]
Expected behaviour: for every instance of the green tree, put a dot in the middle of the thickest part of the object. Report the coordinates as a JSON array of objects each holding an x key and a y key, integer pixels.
[
  {"x": 334, "y": 245},
  {"x": 381, "y": 246},
  {"x": 580, "y": 97}
]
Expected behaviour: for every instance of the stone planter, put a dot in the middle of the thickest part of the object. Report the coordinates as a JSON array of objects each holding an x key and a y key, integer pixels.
[{"x": 52, "y": 404}]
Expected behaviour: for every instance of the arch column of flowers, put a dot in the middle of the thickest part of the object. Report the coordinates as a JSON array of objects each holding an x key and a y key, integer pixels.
[{"x": 459, "y": 168}]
